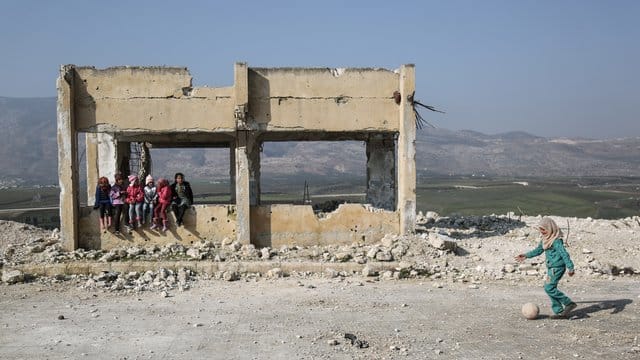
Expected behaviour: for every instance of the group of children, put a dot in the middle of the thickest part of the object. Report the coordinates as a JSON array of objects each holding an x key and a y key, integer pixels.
[{"x": 141, "y": 201}]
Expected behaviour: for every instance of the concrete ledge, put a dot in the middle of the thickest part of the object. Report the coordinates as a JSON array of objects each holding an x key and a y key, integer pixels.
[{"x": 210, "y": 267}]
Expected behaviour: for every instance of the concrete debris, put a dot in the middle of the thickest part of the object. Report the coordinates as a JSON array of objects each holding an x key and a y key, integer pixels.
[
  {"x": 274, "y": 273},
  {"x": 12, "y": 277},
  {"x": 445, "y": 249}
]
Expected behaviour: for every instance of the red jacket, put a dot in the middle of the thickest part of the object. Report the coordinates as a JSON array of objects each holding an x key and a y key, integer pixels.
[
  {"x": 135, "y": 194},
  {"x": 164, "y": 195}
]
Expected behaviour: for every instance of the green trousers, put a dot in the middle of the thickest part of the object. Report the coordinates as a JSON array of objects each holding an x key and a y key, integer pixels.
[{"x": 558, "y": 299}]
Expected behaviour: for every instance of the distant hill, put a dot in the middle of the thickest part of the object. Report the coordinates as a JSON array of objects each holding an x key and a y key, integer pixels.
[
  {"x": 28, "y": 145},
  {"x": 28, "y": 150}
]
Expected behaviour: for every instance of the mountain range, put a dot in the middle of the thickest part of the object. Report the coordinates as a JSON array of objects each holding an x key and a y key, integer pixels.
[{"x": 28, "y": 150}]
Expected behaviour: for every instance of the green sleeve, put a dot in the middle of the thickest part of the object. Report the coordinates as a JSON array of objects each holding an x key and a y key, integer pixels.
[
  {"x": 535, "y": 252},
  {"x": 559, "y": 246}
]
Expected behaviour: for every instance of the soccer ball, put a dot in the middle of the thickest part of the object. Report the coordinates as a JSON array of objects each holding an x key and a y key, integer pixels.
[{"x": 530, "y": 311}]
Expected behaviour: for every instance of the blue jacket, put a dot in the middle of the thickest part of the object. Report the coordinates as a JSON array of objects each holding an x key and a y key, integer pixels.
[{"x": 101, "y": 197}]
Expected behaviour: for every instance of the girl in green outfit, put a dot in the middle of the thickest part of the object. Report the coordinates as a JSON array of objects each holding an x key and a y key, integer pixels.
[{"x": 558, "y": 261}]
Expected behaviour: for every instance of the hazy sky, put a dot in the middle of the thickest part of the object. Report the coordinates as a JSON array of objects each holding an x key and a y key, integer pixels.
[{"x": 551, "y": 68}]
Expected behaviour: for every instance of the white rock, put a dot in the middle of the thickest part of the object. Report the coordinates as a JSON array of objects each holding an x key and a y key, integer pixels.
[
  {"x": 12, "y": 276},
  {"x": 274, "y": 273},
  {"x": 368, "y": 271},
  {"x": 509, "y": 268},
  {"x": 331, "y": 273}
]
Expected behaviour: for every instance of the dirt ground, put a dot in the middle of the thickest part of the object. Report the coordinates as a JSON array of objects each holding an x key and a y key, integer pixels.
[
  {"x": 462, "y": 304},
  {"x": 298, "y": 318}
]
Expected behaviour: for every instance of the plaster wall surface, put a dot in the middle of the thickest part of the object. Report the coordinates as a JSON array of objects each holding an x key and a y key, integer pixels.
[
  {"x": 155, "y": 99},
  {"x": 284, "y": 224},
  {"x": 292, "y": 99},
  {"x": 201, "y": 222}
]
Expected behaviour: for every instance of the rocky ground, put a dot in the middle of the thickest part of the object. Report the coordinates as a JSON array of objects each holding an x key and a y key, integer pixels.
[{"x": 451, "y": 290}]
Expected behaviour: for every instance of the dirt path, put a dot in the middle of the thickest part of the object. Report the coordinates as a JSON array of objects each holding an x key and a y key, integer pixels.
[{"x": 297, "y": 318}]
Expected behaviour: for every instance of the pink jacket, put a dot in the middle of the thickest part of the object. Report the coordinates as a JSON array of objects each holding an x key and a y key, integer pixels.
[{"x": 134, "y": 194}]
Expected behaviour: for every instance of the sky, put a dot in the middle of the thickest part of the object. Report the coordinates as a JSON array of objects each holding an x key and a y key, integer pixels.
[{"x": 551, "y": 68}]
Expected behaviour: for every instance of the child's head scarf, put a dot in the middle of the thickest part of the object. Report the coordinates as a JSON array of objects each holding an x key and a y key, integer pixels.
[{"x": 552, "y": 229}]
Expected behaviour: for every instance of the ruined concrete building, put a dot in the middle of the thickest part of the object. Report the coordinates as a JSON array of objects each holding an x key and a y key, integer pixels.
[{"x": 115, "y": 107}]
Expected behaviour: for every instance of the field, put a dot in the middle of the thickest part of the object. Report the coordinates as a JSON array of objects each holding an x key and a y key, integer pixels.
[{"x": 604, "y": 198}]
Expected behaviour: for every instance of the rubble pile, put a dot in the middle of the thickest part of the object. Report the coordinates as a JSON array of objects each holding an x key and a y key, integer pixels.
[{"x": 459, "y": 248}]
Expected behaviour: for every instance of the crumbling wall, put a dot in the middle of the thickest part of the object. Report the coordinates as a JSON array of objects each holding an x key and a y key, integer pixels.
[
  {"x": 202, "y": 222},
  {"x": 150, "y": 99},
  {"x": 159, "y": 105},
  {"x": 284, "y": 224},
  {"x": 302, "y": 99}
]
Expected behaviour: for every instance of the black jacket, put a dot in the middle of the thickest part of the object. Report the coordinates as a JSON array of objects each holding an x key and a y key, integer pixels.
[{"x": 187, "y": 190}]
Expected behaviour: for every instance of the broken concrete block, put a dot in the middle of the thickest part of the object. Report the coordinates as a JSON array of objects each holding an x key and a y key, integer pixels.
[
  {"x": 274, "y": 273},
  {"x": 384, "y": 256},
  {"x": 442, "y": 242},
  {"x": 12, "y": 276},
  {"x": 230, "y": 276},
  {"x": 371, "y": 254},
  {"x": 331, "y": 273},
  {"x": 195, "y": 254},
  {"x": 368, "y": 271}
]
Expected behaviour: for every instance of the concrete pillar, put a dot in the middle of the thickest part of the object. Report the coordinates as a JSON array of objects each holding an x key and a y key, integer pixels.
[
  {"x": 241, "y": 154},
  {"x": 407, "y": 152},
  {"x": 381, "y": 171},
  {"x": 243, "y": 205},
  {"x": 67, "y": 159}
]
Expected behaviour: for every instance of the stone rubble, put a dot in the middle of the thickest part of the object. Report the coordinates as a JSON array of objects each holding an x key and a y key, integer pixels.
[{"x": 465, "y": 249}]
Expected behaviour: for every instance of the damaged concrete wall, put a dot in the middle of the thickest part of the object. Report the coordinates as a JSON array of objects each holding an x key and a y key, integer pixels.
[
  {"x": 202, "y": 222},
  {"x": 277, "y": 225},
  {"x": 150, "y": 99},
  {"x": 302, "y": 99},
  {"x": 120, "y": 105}
]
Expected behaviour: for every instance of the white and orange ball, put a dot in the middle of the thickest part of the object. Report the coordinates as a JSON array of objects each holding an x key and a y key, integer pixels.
[{"x": 530, "y": 311}]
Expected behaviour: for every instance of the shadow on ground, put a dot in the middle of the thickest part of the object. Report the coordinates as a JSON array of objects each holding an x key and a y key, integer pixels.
[{"x": 616, "y": 305}]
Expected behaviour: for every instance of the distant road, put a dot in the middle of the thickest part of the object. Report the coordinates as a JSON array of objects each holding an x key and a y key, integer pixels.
[
  {"x": 28, "y": 209},
  {"x": 334, "y": 195}
]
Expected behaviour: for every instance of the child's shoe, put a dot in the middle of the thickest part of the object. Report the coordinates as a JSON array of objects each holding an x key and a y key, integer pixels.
[
  {"x": 568, "y": 309},
  {"x": 164, "y": 228},
  {"x": 153, "y": 226}
]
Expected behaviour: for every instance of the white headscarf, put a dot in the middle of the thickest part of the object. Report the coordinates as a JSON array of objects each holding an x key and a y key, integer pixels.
[{"x": 553, "y": 232}]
